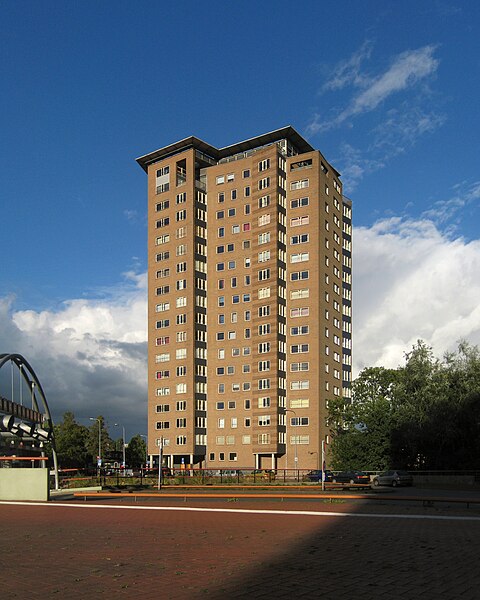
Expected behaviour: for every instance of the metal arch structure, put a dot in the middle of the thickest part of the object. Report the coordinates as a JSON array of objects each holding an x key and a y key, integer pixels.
[{"x": 39, "y": 400}]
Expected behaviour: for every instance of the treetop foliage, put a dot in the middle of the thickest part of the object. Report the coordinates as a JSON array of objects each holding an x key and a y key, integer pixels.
[
  {"x": 77, "y": 445},
  {"x": 423, "y": 415}
]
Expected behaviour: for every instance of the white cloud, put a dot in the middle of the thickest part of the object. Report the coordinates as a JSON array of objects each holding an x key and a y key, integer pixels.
[
  {"x": 394, "y": 135},
  {"x": 407, "y": 68},
  {"x": 402, "y": 127},
  {"x": 450, "y": 210},
  {"x": 130, "y": 215},
  {"x": 404, "y": 72},
  {"x": 90, "y": 355},
  {"x": 348, "y": 71},
  {"x": 412, "y": 282}
]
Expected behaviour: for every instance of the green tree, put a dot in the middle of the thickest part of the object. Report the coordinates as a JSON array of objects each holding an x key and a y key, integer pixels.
[
  {"x": 423, "y": 415},
  {"x": 136, "y": 452},
  {"x": 107, "y": 445},
  {"x": 361, "y": 428},
  {"x": 70, "y": 439}
]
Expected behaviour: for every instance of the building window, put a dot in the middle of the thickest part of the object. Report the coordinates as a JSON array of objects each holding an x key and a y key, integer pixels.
[
  {"x": 264, "y": 183},
  {"x": 299, "y": 275},
  {"x": 264, "y": 165},
  {"x": 297, "y": 185},
  {"x": 264, "y": 201},
  {"x": 264, "y": 220},
  {"x": 300, "y": 312},
  {"x": 263, "y": 274},
  {"x": 299, "y": 257},
  {"x": 299, "y": 421},
  {"x": 162, "y": 239},
  {"x": 299, "y": 202},
  {"x": 264, "y": 238},
  {"x": 299, "y": 385},
  {"x": 163, "y": 222},
  {"x": 299, "y": 366},
  {"x": 297, "y": 221},
  {"x": 301, "y": 330},
  {"x": 299, "y": 239},
  {"x": 299, "y": 348}
]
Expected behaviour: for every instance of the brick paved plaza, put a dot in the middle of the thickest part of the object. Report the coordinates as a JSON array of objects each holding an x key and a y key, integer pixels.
[{"x": 82, "y": 551}]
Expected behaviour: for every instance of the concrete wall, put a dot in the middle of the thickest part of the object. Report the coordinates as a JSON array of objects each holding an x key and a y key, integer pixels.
[{"x": 24, "y": 484}]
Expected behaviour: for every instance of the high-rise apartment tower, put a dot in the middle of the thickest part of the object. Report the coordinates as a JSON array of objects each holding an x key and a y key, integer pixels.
[{"x": 249, "y": 301}]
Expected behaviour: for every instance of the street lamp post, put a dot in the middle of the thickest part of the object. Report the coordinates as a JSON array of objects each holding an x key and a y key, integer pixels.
[
  {"x": 315, "y": 452},
  {"x": 296, "y": 457},
  {"x": 160, "y": 460},
  {"x": 323, "y": 465},
  {"x": 123, "y": 446},
  {"x": 99, "y": 458}
]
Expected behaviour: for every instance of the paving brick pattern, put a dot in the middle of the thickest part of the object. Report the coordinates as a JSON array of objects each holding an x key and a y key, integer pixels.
[{"x": 50, "y": 552}]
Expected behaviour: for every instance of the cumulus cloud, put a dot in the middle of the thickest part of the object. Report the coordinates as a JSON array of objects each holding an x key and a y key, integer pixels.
[
  {"x": 90, "y": 355},
  {"x": 412, "y": 281}
]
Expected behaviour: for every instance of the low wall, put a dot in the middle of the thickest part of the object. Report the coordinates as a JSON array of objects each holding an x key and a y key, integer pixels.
[
  {"x": 24, "y": 484},
  {"x": 457, "y": 481}
]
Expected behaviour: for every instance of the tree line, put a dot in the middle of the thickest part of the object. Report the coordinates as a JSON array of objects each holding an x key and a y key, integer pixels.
[
  {"x": 423, "y": 415},
  {"x": 77, "y": 446}
]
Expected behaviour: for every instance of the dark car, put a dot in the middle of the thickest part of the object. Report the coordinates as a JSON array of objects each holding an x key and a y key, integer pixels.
[
  {"x": 316, "y": 475},
  {"x": 351, "y": 477},
  {"x": 393, "y": 478},
  {"x": 166, "y": 472}
]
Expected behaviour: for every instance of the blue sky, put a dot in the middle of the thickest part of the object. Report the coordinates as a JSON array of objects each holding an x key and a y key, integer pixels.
[{"x": 388, "y": 91}]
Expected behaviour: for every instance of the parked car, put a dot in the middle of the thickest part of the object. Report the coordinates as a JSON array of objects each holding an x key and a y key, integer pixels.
[
  {"x": 351, "y": 477},
  {"x": 316, "y": 475},
  {"x": 166, "y": 472},
  {"x": 393, "y": 478}
]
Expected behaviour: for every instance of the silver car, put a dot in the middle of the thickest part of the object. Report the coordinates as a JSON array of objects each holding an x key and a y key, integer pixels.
[{"x": 393, "y": 478}]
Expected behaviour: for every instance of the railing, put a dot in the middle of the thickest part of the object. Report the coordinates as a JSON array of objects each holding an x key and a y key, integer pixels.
[
  {"x": 18, "y": 410},
  {"x": 205, "y": 157},
  {"x": 33, "y": 460}
]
